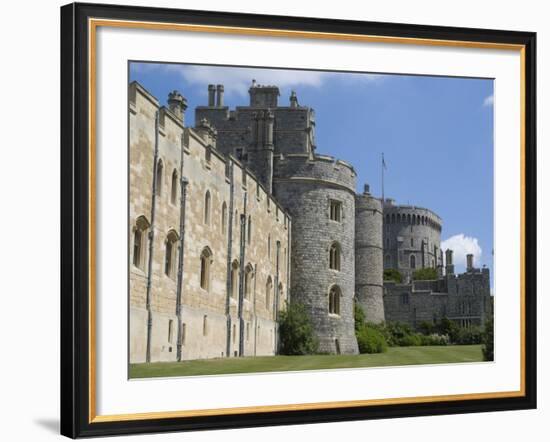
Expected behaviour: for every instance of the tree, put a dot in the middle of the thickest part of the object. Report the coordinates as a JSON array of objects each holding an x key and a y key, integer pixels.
[
  {"x": 425, "y": 274},
  {"x": 393, "y": 275},
  {"x": 487, "y": 339},
  {"x": 296, "y": 332},
  {"x": 359, "y": 316}
]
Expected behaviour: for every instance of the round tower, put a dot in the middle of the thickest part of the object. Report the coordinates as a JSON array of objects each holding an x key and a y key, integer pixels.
[
  {"x": 369, "y": 256},
  {"x": 319, "y": 193},
  {"x": 412, "y": 239}
]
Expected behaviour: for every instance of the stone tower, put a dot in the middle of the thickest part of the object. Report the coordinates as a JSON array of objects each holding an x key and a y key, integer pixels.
[
  {"x": 412, "y": 239},
  {"x": 369, "y": 256},
  {"x": 277, "y": 143}
]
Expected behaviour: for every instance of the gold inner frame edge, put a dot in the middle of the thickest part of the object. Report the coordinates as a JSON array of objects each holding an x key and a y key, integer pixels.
[{"x": 93, "y": 24}]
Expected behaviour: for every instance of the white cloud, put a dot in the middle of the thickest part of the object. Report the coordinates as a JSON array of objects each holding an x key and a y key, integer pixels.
[
  {"x": 237, "y": 80},
  {"x": 488, "y": 102},
  {"x": 461, "y": 245}
]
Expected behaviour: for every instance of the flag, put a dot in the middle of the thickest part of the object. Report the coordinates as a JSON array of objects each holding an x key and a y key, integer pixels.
[{"x": 383, "y": 162}]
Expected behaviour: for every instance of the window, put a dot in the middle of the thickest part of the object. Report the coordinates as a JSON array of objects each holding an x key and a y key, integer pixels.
[
  {"x": 183, "y": 333},
  {"x": 170, "y": 330},
  {"x": 174, "y": 191},
  {"x": 205, "y": 325},
  {"x": 334, "y": 300},
  {"x": 234, "y": 279},
  {"x": 388, "y": 261},
  {"x": 280, "y": 294},
  {"x": 334, "y": 257},
  {"x": 158, "y": 179},
  {"x": 249, "y": 231},
  {"x": 207, "y": 200},
  {"x": 170, "y": 254},
  {"x": 248, "y": 281},
  {"x": 388, "y": 243},
  {"x": 413, "y": 262},
  {"x": 140, "y": 237},
  {"x": 335, "y": 210},
  {"x": 248, "y": 331},
  {"x": 224, "y": 218},
  {"x": 268, "y": 290},
  {"x": 412, "y": 242},
  {"x": 234, "y": 333},
  {"x": 206, "y": 262},
  {"x": 405, "y": 298}
]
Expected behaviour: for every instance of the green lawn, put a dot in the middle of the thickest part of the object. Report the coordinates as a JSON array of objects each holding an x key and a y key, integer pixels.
[{"x": 394, "y": 356}]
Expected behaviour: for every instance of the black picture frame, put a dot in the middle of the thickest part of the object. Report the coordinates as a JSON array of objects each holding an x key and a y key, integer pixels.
[{"x": 76, "y": 403}]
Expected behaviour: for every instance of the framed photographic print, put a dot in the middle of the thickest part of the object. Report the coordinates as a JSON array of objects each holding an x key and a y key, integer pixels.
[{"x": 279, "y": 220}]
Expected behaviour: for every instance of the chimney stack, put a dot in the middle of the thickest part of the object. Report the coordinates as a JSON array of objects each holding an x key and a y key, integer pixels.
[
  {"x": 469, "y": 262},
  {"x": 211, "y": 95},
  {"x": 219, "y": 97},
  {"x": 449, "y": 267}
]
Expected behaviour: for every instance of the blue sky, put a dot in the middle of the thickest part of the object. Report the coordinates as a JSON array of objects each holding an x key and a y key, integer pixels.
[{"x": 436, "y": 134}]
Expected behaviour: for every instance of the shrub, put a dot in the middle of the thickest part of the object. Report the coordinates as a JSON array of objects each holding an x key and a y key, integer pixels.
[
  {"x": 359, "y": 316},
  {"x": 427, "y": 273},
  {"x": 427, "y": 328},
  {"x": 434, "y": 339},
  {"x": 488, "y": 340},
  {"x": 468, "y": 336},
  {"x": 449, "y": 328},
  {"x": 370, "y": 340},
  {"x": 393, "y": 275},
  {"x": 413, "y": 340},
  {"x": 296, "y": 332}
]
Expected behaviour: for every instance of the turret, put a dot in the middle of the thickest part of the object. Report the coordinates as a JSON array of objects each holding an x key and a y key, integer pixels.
[
  {"x": 177, "y": 104},
  {"x": 369, "y": 256},
  {"x": 263, "y": 96}
]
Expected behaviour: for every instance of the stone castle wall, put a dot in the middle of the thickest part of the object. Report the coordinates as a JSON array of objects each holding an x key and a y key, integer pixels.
[{"x": 246, "y": 228}]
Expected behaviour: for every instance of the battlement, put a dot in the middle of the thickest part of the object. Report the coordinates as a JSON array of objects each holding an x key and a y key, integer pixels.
[
  {"x": 409, "y": 214},
  {"x": 316, "y": 168}
]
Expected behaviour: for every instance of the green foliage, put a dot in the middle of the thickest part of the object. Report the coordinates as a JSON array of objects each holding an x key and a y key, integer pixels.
[
  {"x": 427, "y": 328},
  {"x": 434, "y": 339},
  {"x": 398, "y": 333},
  {"x": 468, "y": 336},
  {"x": 370, "y": 340},
  {"x": 393, "y": 275},
  {"x": 359, "y": 316},
  {"x": 296, "y": 332},
  {"x": 427, "y": 273},
  {"x": 487, "y": 339},
  {"x": 449, "y": 328}
]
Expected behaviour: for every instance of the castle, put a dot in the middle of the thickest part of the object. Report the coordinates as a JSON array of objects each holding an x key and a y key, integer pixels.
[{"x": 235, "y": 217}]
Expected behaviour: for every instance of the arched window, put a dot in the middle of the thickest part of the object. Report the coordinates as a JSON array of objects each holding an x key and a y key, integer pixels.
[
  {"x": 207, "y": 201},
  {"x": 234, "y": 279},
  {"x": 170, "y": 254},
  {"x": 413, "y": 262},
  {"x": 334, "y": 300},
  {"x": 224, "y": 218},
  {"x": 206, "y": 262},
  {"x": 248, "y": 281},
  {"x": 158, "y": 182},
  {"x": 334, "y": 256},
  {"x": 412, "y": 242},
  {"x": 249, "y": 231},
  {"x": 140, "y": 241},
  {"x": 268, "y": 290},
  {"x": 174, "y": 191},
  {"x": 393, "y": 218},
  {"x": 388, "y": 218},
  {"x": 409, "y": 218},
  {"x": 388, "y": 261}
]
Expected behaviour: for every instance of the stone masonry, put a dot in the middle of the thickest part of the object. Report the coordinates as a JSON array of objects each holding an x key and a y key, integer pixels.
[{"x": 232, "y": 219}]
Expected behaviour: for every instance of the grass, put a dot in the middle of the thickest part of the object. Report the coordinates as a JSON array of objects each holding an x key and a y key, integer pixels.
[{"x": 393, "y": 357}]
